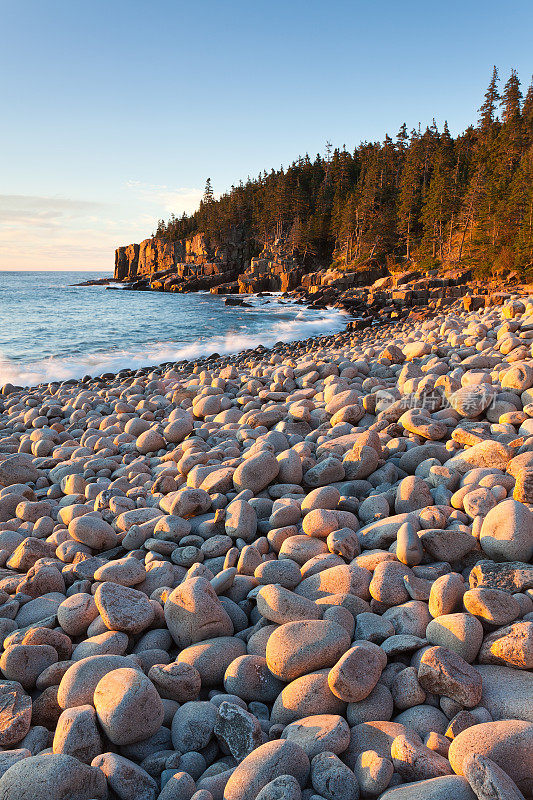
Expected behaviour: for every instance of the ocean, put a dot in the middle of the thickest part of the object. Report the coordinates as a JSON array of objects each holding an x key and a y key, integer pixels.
[{"x": 51, "y": 330}]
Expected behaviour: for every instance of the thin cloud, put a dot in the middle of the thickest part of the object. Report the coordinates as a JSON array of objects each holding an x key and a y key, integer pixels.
[
  {"x": 61, "y": 233},
  {"x": 172, "y": 200},
  {"x": 17, "y": 206}
]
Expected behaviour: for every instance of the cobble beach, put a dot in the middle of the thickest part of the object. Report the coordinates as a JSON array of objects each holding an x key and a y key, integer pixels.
[{"x": 286, "y": 573}]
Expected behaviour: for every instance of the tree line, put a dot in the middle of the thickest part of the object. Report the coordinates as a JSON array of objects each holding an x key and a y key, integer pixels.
[{"x": 422, "y": 197}]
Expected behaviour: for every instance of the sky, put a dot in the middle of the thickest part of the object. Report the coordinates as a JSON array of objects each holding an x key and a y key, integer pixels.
[{"x": 114, "y": 112}]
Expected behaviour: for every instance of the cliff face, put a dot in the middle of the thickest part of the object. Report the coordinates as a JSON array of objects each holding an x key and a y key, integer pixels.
[{"x": 194, "y": 256}]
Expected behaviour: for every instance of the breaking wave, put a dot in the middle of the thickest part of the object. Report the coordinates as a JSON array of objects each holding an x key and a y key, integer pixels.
[{"x": 304, "y": 324}]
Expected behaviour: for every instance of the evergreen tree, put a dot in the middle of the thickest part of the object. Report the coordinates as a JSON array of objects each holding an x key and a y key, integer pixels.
[
  {"x": 208, "y": 193},
  {"x": 488, "y": 108},
  {"x": 511, "y": 98},
  {"x": 527, "y": 108}
]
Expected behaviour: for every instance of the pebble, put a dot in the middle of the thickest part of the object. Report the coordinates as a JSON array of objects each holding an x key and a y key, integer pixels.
[
  {"x": 265, "y": 763},
  {"x": 488, "y": 780},
  {"x": 442, "y": 671},
  {"x": 52, "y": 777},
  {"x": 509, "y": 743},
  {"x": 128, "y": 706},
  {"x": 357, "y": 672},
  {"x": 320, "y": 733},
  {"x": 296, "y": 648}
]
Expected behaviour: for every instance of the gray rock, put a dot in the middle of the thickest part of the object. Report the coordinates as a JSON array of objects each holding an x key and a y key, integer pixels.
[
  {"x": 193, "y": 726},
  {"x": 263, "y": 765},
  {"x": 52, "y": 777}
]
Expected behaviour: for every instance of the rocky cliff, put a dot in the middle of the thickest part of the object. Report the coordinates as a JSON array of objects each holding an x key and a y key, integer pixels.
[
  {"x": 194, "y": 263},
  {"x": 194, "y": 257}
]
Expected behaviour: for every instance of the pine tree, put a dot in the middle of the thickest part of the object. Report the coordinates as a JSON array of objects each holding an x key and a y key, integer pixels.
[
  {"x": 209, "y": 196},
  {"x": 488, "y": 108},
  {"x": 527, "y": 108},
  {"x": 410, "y": 194},
  {"x": 511, "y": 98}
]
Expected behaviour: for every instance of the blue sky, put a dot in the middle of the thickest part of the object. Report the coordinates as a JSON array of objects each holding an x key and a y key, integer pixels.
[{"x": 115, "y": 112}]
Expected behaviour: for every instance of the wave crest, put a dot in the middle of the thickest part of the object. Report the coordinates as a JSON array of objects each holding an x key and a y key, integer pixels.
[{"x": 307, "y": 324}]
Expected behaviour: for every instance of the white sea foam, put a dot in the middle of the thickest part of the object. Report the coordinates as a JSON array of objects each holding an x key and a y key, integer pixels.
[{"x": 307, "y": 323}]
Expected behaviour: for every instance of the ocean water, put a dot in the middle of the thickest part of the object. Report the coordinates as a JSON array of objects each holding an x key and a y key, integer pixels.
[{"x": 51, "y": 330}]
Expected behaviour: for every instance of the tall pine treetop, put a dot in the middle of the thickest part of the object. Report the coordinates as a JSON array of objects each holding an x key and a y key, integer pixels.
[
  {"x": 511, "y": 98},
  {"x": 488, "y": 108}
]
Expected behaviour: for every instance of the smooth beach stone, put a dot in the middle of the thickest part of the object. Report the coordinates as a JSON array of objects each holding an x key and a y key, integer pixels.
[
  {"x": 446, "y": 594},
  {"x": 249, "y": 677},
  {"x": 506, "y": 692},
  {"x": 15, "y": 713},
  {"x": 509, "y": 743},
  {"x": 180, "y": 786},
  {"x": 126, "y": 779},
  {"x": 18, "y": 468},
  {"x": 123, "y": 608},
  {"x": 387, "y": 585},
  {"x": 241, "y": 521},
  {"x": 281, "y": 605},
  {"x": 92, "y": 530},
  {"x": 256, "y": 472},
  {"x": 318, "y": 734},
  {"x": 373, "y": 773},
  {"x": 443, "y": 788},
  {"x": 319, "y": 523},
  {"x": 76, "y": 613},
  {"x": 299, "y": 647},
  {"x": 125, "y": 571},
  {"x": 409, "y": 548},
  {"x": 375, "y": 735},
  {"x": 150, "y": 441},
  {"x": 357, "y": 672},
  {"x": 406, "y": 690},
  {"x": 194, "y": 613},
  {"x": 265, "y": 763},
  {"x": 461, "y": 633},
  {"x": 308, "y": 695},
  {"x": 423, "y": 719},
  {"x": 52, "y": 777},
  {"x": 10, "y": 757},
  {"x": 286, "y": 573},
  {"x": 492, "y": 605},
  {"x": 342, "y": 579},
  {"x": 80, "y": 680},
  {"x": 284, "y": 787},
  {"x": 128, "y": 706},
  {"x": 77, "y": 734},
  {"x": 378, "y": 705},
  {"x": 212, "y": 657},
  {"x": 322, "y": 497},
  {"x": 416, "y": 762},
  {"x": 24, "y": 663},
  {"x": 488, "y": 780},
  {"x": 301, "y": 548},
  {"x": 107, "y": 643},
  {"x": 507, "y": 532}
]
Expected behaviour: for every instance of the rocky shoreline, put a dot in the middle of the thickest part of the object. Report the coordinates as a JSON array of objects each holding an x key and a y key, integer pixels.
[
  {"x": 301, "y": 573},
  {"x": 193, "y": 265}
]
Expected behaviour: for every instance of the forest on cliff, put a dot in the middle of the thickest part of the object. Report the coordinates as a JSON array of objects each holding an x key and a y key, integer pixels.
[{"x": 423, "y": 197}]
